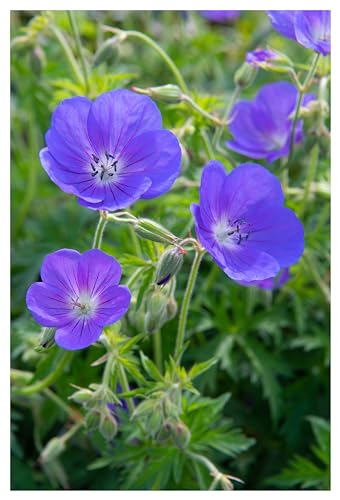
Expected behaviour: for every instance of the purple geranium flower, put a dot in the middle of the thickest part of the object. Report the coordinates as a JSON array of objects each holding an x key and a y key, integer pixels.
[
  {"x": 112, "y": 151},
  {"x": 242, "y": 223},
  {"x": 79, "y": 295},
  {"x": 270, "y": 283},
  {"x": 262, "y": 128},
  {"x": 310, "y": 28},
  {"x": 259, "y": 56},
  {"x": 220, "y": 16}
]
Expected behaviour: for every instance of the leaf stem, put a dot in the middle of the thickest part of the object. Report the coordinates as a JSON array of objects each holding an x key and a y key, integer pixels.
[
  {"x": 219, "y": 131},
  {"x": 149, "y": 41},
  {"x": 157, "y": 349},
  {"x": 125, "y": 386},
  {"x": 68, "y": 53},
  {"x": 186, "y": 303},
  {"x": 98, "y": 236},
  {"x": 50, "y": 379}
]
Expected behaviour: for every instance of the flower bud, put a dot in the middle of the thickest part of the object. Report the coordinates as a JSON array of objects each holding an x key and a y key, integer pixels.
[
  {"x": 169, "y": 264},
  {"x": 171, "y": 308},
  {"x": 92, "y": 419},
  {"x": 245, "y": 75},
  {"x": 52, "y": 450},
  {"x": 83, "y": 396},
  {"x": 156, "y": 313},
  {"x": 165, "y": 432},
  {"x": 150, "y": 230},
  {"x": 108, "y": 52},
  {"x": 181, "y": 435},
  {"x": 19, "y": 377},
  {"x": 46, "y": 338},
  {"x": 166, "y": 93},
  {"x": 108, "y": 426}
]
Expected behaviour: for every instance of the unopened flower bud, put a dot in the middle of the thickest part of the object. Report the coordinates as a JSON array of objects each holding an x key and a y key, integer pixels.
[
  {"x": 171, "y": 308},
  {"x": 181, "y": 435},
  {"x": 46, "y": 339},
  {"x": 245, "y": 75},
  {"x": 165, "y": 431},
  {"x": 108, "y": 52},
  {"x": 150, "y": 230},
  {"x": 83, "y": 396},
  {"x": 156, "y": 313},
  {"x": 166, "y": 93},
  {"x": 19, "y": 377},
  {"x": 52, "y": 450},
  {"x": 169, "y": 264},
  {"x": 108, "y": 426},
  {"x": 92, "y": 419}
]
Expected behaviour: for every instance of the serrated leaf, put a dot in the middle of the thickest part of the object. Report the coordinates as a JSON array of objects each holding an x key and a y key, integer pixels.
[
  {"x": 130, "y": 343},
  {"x": 200, "y": 368},
  {"x": 150, "y": 367}
]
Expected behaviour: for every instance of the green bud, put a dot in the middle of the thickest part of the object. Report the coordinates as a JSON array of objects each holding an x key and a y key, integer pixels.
[
  {"x": 52, "y": 450},
  {"x": 166, "y": 93},
  {"x": 156, "y": 313},
  {"x": 83, "y": 396},
  {"x": 108, "y": 426},
  {"x": 150, "y": 230},
  {"x": 245, "y": 75},
  {"x": 92, "y": 419},
  {"x": 46, "y": 338},
  {"x": 154, "y": 422},
  {"x": 181, "y": 435},
  {"x": 171, "y": 308},
  {"x": 108, "y": 52},
  {"x": 169, "y": 264},
  {"x": 165, "y": 432},
  {"x": 19, "y": 377}
]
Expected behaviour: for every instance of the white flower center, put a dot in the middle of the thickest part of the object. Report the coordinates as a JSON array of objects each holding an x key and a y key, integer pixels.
[
  {"x": 230, "y": 233},
  {"x": 84, "y": 305}
]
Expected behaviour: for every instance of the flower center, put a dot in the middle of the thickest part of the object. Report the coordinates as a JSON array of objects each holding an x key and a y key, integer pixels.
[
  {"x": 104, "y": 167},
  {"x": 83, "y": 305},
  {"x": 229, "y": 233}
]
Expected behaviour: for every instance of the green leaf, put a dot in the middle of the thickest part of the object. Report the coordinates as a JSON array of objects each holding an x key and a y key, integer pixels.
[
  {"x": 150, "y": 368},
  {"x": 200, "y": 368},
  {"x": 131, "y": 343},
  {"x": 100, "y": 463}
]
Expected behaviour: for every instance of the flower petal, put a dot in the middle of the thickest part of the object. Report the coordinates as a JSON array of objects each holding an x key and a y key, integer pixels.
[
  {"x": 116, "y": 117},
  {"x": 48, "y": 305},
  {"x": 158, "y": 155},
  {"x": 97, "y": 271},
  {"x": 113, "y": 303},
  {"x": 312, "y": 30},
  {"x": 283, "y": 22},
  {"x": 60, "y": 269},
  {"x": 247, "y": 185},
  {"x": 212, "y": 192},
  {"x": 243, "y": 126},
  {"x": 277, "y": 231},
  {"x": 78, "y": 334}
]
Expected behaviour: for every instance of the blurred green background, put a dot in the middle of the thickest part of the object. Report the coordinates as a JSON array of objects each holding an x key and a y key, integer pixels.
[{"x": 273, "y": 348}]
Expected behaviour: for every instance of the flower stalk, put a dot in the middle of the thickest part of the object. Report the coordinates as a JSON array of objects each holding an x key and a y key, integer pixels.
[
  {"x": 98, "y": 237},
  {"x": 83, "y": 62}
]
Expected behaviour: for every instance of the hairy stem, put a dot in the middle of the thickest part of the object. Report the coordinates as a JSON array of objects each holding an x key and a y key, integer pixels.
[
  {"x": 68, "y": 53},
  {"x": 83, "y": 63},
  {"x": 219, "y": 131},
  {"x": 125, "y": 386},
  {"x": 98, "y": 236},
  {"x": 157, "y": 349},
  {"x": 186, "y": 303}
]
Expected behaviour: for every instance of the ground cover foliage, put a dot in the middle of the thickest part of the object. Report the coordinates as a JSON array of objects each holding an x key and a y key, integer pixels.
[{"x": 250, "y": 398}]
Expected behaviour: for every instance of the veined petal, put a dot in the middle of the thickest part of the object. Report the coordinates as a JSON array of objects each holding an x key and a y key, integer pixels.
[
  {"x": 116, "y": 117},
  {"x": 78, "y": 334},
  {"x": 48, "y": 305},
  {"x": 283, "y": 22},
  {"x": 113, "y": 303},
  {"x": 60, "y": 269},
  {"x": 212, "y": 192},
  {"x": 243, "y": 263},
  {"x": 312, "y": 30},
  {"x": 97, "y": 271}
]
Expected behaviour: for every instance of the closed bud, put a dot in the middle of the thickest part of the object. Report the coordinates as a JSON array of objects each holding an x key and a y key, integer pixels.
[
  {"x": 92, "y": 419},
  {"x": 165, "y": 431},
  {"x": 181, "y": 435},
  {"x": 154, "y": 422},
  {"x": 108, "y": 52},
  {"x": 169, "y": 264},
  {"x": 171, "y": 308},
  {"x": 108, "y": 426},
  {"x": 150, "y": 230},
  {"x": 52, "y": 450},
  {"x": 46, "y": 338},
  {"x": 19, "y": 377},
  {"x": 166, "y": 93},
  {"x": 83, "y": 396},
  {"x": 156, "y": 313},
  {"x": 245, "y": 75}
]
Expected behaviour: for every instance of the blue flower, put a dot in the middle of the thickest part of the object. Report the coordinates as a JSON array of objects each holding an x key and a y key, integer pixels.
[
  {"x": 270, "y": 283},
  {"x": 262, "y": 128},
  {"x": 78, "y": 296},
  {"x": 310, "y": 28},
  {"x": 242, "y": 223},
  {"x": 259, "y": 56},
  {"x": 220, "y": 16},
  {"x": 110, "y": 152}
]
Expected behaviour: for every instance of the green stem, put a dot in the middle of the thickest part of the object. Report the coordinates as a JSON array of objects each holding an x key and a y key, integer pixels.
[
  {"x": 62, "y": 405},
  {"x": 125, "y": 386},
  {"x": 108, "y": 371},
  {"x": 76, "y": 35},
  {"x": 157, "y": 349},
  {"x": 207, "y": 144},
  {"x": 201, "y": 111},
  {"x": 186, "y": 303},
  {"x": 219, "y": 131},
  {"x": 50, "y": 379},
  {"x": 149, "y": 41},
  {"x": 75, "y": 428},
  {"x": 310, "y": 177},
  {"x": 98, "y": 236},
  {"x": 205, "y": 461},
  {"x": 134, "y": 277},
  {"x": 68, "y": 53},
  {"x": 302, "y": 90}
]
